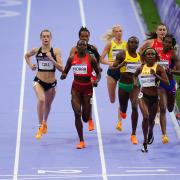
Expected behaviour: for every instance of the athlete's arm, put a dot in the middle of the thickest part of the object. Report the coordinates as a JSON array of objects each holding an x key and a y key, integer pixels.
[
  {"x": 104, "y": 53},
  {"x": 28, "y": 56},
  {"x": 119, "y": 62},
  {"x": 135, "y": 76},
  {"x": 176, "y": 60},
  {"x": 73, "y": 51},
  {"x": 58, "y": 63},
  {"x": 96, "y": 69},
  {"x": 160, "y": 74},
  {"x": 67, "y": 68}
]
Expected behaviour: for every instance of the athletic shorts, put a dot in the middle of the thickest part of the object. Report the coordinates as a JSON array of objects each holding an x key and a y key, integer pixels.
[
  {"x": 82, "y": 88},
  {"x": 45, "y": 86},
  {"x": 150, "y": 100},
  {"x": 114, "y": 73},
  {"x": 126, "y": 87},
  {"x": 171, "y": 89}
]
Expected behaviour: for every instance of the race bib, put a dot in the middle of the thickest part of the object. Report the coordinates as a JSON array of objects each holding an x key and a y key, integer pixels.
[
  {"x": 114, "y": 53},
  {"x": 80, "y": 69},
  {"x": 131, "y": 67},
  {"x": 45, "y": 64},
  {"x": 164, "y": 64},
  {"x": 147, "y": 81}
]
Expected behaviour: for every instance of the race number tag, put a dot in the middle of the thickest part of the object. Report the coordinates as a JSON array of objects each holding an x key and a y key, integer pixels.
[
  {"x": 147, "y": 81},
  {"x": 131, "y": 67},
  {"x": 164, "y": 64},
  {"x": 45, "y": 64},
  {"x": 114, "y": 53},
  {"x": 80, "y": 69}
]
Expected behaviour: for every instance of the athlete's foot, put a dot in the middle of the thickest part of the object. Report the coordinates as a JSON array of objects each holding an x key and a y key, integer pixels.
[
  {"x": 90, "y": 125},
  {"x": 144, "y": 147},
  {"x": 150, "y": 138},
  {"x": 119, "y": 126},
  {"x": 164, "y": 139},
  {"x": 39, "y": 133},
  {"x": 44, "y": 128},
  {"x": 81, "y": 145},
  {"x": 134, "y": 139}
]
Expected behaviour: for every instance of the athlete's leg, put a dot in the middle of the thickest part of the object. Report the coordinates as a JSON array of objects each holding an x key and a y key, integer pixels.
[
  {"x": 152, "y": 114},
  {"x": 145, "y": 113},
  {"x": 41, "y": 101},
  {"x": 134, "y": 104},
  {"x": 111, "y": 85},
  {"x": 163, "y": 106},
  {"x": 123, "y": 100},
  {"x": 171, "y": 97},
  {"x": 49, "y": 97},
  {"x": 86, "y": 107},
  {"x": 76, "y": 105}
]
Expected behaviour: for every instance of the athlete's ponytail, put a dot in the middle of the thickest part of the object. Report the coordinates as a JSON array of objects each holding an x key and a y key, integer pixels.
[{"x": 109, "y": 35}]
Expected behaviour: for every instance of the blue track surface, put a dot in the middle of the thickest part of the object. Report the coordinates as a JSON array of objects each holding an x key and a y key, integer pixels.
[{"x": 55, "y": 155}]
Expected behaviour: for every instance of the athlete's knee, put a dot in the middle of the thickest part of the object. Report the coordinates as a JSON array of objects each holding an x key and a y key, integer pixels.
[
  {"x": 162, "y": 110},
  {"x": 134, "y": 108},
  {"x": 41, "y": 100}
]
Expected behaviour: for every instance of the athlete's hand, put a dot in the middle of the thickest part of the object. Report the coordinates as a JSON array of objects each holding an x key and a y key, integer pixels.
[
  {"x": 94, "y": 83},
  {"x": 33, "y": 67},
  {"x": 63, "y": 76},
  {"x": 152, "y": 72},
  {"x": 48, "y": 54}
]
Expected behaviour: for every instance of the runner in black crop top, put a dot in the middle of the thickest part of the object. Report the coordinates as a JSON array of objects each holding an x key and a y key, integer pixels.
[{"x": 48, "y": 59}]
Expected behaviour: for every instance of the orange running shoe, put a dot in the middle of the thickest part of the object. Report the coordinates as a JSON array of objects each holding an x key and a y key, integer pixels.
[
  {"x": 81, "y": 145},
  {"x": 44, "y": 128},
  {"x": 134, "y": 139},
  {"x": 39, "y": 133},
  {"x": 123, "y": 115},
  {"x": 119, "y": 126},
  {"x": 90, "y": 125},
  {"x": 165, "y": 139}
]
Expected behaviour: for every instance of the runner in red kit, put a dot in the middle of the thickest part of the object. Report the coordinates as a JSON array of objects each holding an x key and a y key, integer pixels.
[{"x": 82, "y": 87}]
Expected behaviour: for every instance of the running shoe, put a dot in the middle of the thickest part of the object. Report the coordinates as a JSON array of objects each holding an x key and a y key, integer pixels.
[
  {"x": 144, "y": 148},
  {"x": 90, "y": 125},
  {"x": 150, "y": 138},
  {"x": 39, "y": 133},
  {"x": 81, "y": 145},
  {"x": 134, "y": 139},
  {"x": 123, "y": 115},
  {"x": 164, "y": 139},
  {"x": 119, "y": 126}
]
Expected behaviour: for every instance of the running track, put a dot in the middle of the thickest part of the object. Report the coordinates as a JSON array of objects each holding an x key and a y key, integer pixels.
[{"x": 109, "y": 155}]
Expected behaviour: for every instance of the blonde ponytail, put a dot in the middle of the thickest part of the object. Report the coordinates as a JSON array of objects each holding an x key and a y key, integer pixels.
[{"x": 109, "y": 35}]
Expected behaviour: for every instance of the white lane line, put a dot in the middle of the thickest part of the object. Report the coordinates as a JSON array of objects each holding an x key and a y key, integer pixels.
[
  {"x": 175, "y": 123},
  {"x": 142, "y": 167},
  {"x": 20, "y": 114},
  {"x": 145, "y": 170},
  {"x": 30, "y": 177},
  {"x": 101, "y": 149}
]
